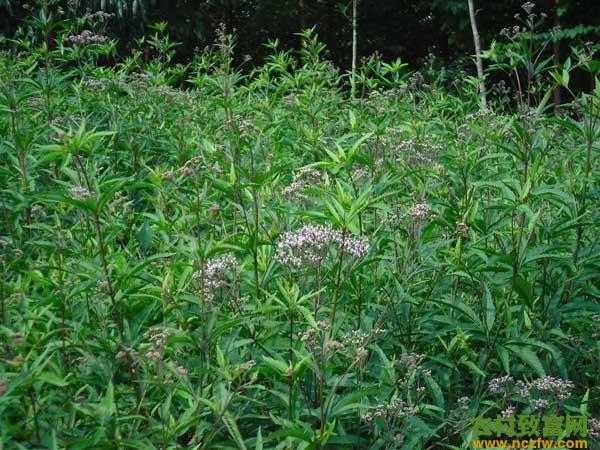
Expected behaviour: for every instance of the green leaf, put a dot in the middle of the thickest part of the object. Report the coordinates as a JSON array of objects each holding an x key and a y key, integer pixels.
[
  {"x": 474, "y": 368},
  {"x": 234, "y": 431},
  {"x": 584, "y": 403},
  {"x": 435, "y": 391},
  {"x": 51, "y": 378},
  {"x": 279, "y": 366},
  {"x": 490, "y": 309},
  {"x": 106, "y": 408},
  {"x": 144, "y": 236},
  {"x": 530, "y": 358},
  {"x": 259, "y": 440}
]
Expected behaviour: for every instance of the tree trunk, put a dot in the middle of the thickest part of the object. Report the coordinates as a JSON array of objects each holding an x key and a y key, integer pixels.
[
  {"x": 478, "y": 62},
  {"x": 302, "y": 14},
  {"x": 354, "y": 46}
]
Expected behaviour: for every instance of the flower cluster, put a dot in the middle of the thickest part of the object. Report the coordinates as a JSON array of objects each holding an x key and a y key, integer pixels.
[
  {"x": 309, "y": 245},
  {"x": 389, "y": 94},
  {"x": 86, "y": 37},
  {"x": 95, "y": 83},
  {"x": 158, "y": 344},
  {"x": 485, "y": 112},
  {"x": 140, "y": 78},
  {"x": 303, "y": 180},
  {"x": 462, "y": 230},
  {"x": 413, "y": 371},
  {"x": 396, "y": 409},
  {"x": 358, "y": 172},
  {"x": 416, "y": 81},
  {"x": 355, "y": 342},
  {"x": 594, "y": 428},
  {"x": 511, "y": 32},
  {"x": 169, "y": 94},
  {"x": 313, "y": 339},
  {"x": 522, "y": 388},
  {"x": 35, "y": 101},
  {"x": 424, "y": 152},
  {"x": 80, "y": 193},
  {"x": 500, "y": 384},
  {"x": 357, "y": 248},
  {"x": 128, "y": 353},
  {"x": 540, "y": 393},
  {"x": 420, "y": 211},
  {"x": 411, "y": 362},
  {"x": 508, "y": 412},
  {"x": 406, "y": 146},
  {"x": 213, "y": 275},
  {"x": 560, "y": 389},
  {"x": 528, "y": 7},
  {"x": 101, "y": 16}
]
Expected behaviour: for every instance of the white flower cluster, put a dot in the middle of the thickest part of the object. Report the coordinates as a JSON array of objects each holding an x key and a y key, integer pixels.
[
  {"x": 310, "y": 244},
  {"x": 101, "y": 16},
  {"x": 553, "y": 386},
  {"x": 500, "y": 384},
  {"x": 528, "y": 7},
  {"x": 419, "y": 211},
  {"x": 396, "y": 409},
  {"x": 594, "y": 428},
  {"x": 80, "y": 193},
  {"x": 303, "y": 180},
  {"x": 416, "y": 213},
  {"x": 541, "y": 393},
  {"x": 157, "y": 345},
  {"x": 357, "y": 248},
  {"x": 508, "y": 412},
  {"x": 464, "y": 403},
  {"x": 86, "y": 37},
  {"x": 214, "y": 275}
]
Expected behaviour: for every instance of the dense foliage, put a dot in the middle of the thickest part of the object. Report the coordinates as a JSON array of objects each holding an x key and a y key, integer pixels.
[
  {"x": 233, "y": 260},
  {"x": 400, "y": 28}
]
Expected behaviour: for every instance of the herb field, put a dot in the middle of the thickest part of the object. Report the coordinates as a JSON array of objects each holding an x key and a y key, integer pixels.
[{"x": 200, "y": 257}]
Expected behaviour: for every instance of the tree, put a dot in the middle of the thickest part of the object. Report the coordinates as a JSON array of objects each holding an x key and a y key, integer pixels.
[
  {"x": 354, "y": 45},
  {"x": 478, "y": 61}
]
